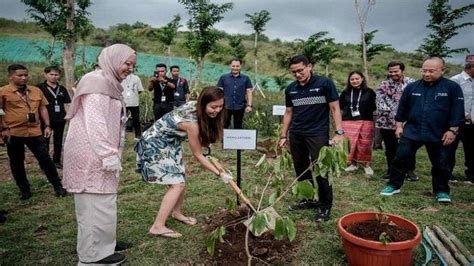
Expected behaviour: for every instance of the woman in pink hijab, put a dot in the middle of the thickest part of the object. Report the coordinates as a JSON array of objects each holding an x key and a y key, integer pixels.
[{"x": 93, "y": 151}]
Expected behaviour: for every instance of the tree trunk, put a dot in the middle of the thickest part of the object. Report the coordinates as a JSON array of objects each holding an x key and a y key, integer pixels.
[
  {"x": 199, "y": 70},
  {"x": 168, "y": 52},
  {"x": 255, "y": 54},
  {"x": 51, "y": 51},
  {"x": 327, "y": 70},
  {"x": 362, "y": 20},
  {"x": 69, "y": 49}
]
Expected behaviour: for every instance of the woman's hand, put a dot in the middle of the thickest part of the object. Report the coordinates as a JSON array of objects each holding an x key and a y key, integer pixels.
[{"x": 225, "y": 177}]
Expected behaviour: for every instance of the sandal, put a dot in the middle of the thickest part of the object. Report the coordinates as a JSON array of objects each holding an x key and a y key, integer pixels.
[
  {"x": 167, "y": 234},
  {"x": 187, "y": 220}
]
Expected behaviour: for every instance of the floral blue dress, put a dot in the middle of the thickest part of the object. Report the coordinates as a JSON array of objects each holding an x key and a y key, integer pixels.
[{"x": 159, "y": 151}]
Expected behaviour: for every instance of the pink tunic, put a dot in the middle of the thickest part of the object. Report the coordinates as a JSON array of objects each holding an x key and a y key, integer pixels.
[{"x": 94, "y": 134}]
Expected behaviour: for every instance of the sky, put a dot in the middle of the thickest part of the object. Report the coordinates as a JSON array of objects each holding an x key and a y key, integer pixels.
[{"x": 400, "y": 23}]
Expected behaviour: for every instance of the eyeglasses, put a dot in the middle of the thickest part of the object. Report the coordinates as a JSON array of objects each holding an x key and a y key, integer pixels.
[
  {"x": 298, "y": 71},
  {"x": 430, "y": 70}
]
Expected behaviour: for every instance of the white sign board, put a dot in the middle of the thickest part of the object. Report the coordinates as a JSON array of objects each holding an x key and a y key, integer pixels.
[
  {"x": 240, "y": 139},
  {"x": 279, "y": 110}
]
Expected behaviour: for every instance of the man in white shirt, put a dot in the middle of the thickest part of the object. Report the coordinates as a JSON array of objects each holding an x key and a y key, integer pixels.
[
  {"x": 465, "y": 79},
  {"x": 132, "y": 87}
]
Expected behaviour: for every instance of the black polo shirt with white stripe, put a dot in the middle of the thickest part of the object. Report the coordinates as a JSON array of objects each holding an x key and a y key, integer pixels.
[{"x": 310, "y": 105}]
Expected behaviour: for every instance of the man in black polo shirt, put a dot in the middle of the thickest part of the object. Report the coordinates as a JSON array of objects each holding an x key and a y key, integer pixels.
[
  {"x": 429, "y": 113},
  {"x": 163, "y": 92},
  {"x": 308, "y": 102},
  {"x": 58, "y": 99},
  {"x": 237, "y": 93}
]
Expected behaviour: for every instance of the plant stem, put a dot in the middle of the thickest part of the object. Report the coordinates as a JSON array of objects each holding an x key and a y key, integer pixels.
[{"x": 263, "y": 191}]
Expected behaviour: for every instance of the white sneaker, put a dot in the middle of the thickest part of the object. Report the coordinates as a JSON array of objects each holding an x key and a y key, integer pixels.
[
  {"x": 351, "y": 168},
  {"x": 368, "y": 170}
]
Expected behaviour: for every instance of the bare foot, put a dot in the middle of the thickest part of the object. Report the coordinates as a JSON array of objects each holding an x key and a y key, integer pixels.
[{"x": 164, "y": 232}]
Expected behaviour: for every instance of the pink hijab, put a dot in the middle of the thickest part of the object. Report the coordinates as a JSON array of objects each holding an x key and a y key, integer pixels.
[{"x": 104, "y": 81}]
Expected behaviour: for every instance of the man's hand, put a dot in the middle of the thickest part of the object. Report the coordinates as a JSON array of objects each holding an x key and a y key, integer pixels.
[
  {"x": 399, "y": 132},
  {"x": 337, "y": 138},
  {"x": 6, "y": 135},
  {"x": 283, "y": 142},
  {"x": 47, "y": 132},
  {"x": 448, "y": 138},
  {"x": 248, "y": 109}
]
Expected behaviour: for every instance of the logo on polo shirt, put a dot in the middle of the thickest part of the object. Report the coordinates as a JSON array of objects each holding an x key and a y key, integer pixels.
[
  {"x": 315, "y": 89},
  {"x": 309, "y": 100},
  {"x": 416, "y": 94}
]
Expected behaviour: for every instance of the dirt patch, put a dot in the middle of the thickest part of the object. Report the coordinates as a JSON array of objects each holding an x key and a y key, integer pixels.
[
  {"x": 372, "y": 229},
  {"x": 232, "y": 251},
  {"x": 5, "y": 173},
  {"x": 269, "y": 147}
]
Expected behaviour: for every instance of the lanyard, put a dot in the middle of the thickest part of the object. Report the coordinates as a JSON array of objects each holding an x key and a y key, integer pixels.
[
  {"x": 55, "y": 95},
  {"x": 358, "y": 100},
  {"x": 24, "y": 98}
]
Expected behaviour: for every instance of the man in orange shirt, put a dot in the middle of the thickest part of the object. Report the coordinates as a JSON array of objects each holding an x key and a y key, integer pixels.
[{"x": 23, "y": 106}]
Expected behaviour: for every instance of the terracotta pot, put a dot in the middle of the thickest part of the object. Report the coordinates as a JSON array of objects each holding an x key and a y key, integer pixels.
[{"x": 366, "y": 252}]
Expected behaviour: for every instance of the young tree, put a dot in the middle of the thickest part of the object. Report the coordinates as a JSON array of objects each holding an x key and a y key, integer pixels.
[
  {"x": 167, "y": 34},
  {"x": 328, "y": 53},
  {"x": 443, "y": 26},
  {"x": 202, "y": 36},
  {"x": 237, "y": 46},
  {"x": 362, "y": 13},
  {"x": 315, "y": 46},
  {"x": 258, "y": 21},
  {"x": 66, "y": 21},
  {"x": 372, "y": 49}
]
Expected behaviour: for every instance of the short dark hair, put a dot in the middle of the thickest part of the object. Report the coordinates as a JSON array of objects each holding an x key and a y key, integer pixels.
[
  {"x": 396, "y": 63},
  {"x": 52, "y": 68},
  {"x": 14, "y": 67},
  {"x": 299, "y": 59},
  {"x": 160, "y": 65},
  {"x": 469, "y": 65},
  {"x": 174, "y": 66},
  {"x": 236, "y": 59}
]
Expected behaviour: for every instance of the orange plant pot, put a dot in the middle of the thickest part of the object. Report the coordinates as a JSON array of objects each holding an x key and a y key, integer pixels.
[{"x": 366, "y": 252}]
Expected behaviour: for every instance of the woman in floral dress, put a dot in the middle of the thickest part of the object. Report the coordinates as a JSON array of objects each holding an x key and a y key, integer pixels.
[{"x": 160, "y": 155}]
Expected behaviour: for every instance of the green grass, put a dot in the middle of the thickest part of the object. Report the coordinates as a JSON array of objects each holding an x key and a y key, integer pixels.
[{"x": 43, "y": 229}]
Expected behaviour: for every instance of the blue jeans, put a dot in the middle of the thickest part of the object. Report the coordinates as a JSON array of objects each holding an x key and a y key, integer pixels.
[{"x": 438, "y": 155}]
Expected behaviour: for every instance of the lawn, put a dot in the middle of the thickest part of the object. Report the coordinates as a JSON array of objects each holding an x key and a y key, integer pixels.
[{"x": 42, "y": 230}]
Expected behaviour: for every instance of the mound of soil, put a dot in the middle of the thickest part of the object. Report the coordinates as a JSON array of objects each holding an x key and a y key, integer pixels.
[
  {"x": 232, "y": 252},
  {"x": 268, "y": 147},
  {"x": 371, "y": 230}
]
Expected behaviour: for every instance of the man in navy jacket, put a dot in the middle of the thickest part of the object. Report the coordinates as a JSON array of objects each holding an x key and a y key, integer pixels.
[{"x": 429, "y": 113}]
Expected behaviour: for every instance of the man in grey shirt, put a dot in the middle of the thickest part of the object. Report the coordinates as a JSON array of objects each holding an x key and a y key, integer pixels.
[{"x": 466, "y": 131}]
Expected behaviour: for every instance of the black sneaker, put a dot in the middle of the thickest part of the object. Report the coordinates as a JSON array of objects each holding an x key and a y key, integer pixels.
[
  {"x": 115, "y": 258},
  {"x": 25, "y": 195},
  {"x": 323, "y": 215},
  {"x": 412, "y": 176},
  {"x": 121, "y": 246},
  {"x": 60, "y": 191},
  {"x": 385, "y": 177},
  {"x": 304, "y": 205},
  {"x": 58, "y": 165}
]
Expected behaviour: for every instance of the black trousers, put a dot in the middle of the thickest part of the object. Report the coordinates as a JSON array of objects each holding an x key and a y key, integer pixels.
[
  {"x": 135, "y": 112},
  {"x": 238, "y": 116},
  {"x": 160, "y": 109},
  {"x": 391, "y": 145},
  {"x": 466, "y": 135},
  {"x": 58, "y": 134},
  {"x": 16, "y": 153},
  {"x": 438, "y": 155},
  {"x": 304, "y": 150}
]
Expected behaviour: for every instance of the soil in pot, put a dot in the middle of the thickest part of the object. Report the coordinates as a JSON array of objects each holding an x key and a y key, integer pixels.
[
  {"x": 232, "y": 252},
  {"x": 372, "y": 229}
]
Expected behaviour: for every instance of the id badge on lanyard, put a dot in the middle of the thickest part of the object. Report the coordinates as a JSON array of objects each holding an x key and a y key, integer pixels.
[{"x": 57, "y": 107}]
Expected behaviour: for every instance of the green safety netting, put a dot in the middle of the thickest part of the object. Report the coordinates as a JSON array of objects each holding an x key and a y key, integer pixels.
[{"x": 27, "y": 50}]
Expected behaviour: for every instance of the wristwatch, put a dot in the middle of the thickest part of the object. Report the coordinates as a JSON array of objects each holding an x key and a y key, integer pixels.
[
  {"x": 339, "y": 132},
  {"x": 455, "y": 132}
]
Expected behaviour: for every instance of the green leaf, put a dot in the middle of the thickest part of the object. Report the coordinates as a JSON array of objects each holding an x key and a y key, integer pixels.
[
  {"x": 258, "y": 224},
  {"x": 294, "y": 189},
  {"x": 272, "y": 197},
  {"x": 290, "y": 229},
  {"x": 221, "y": 234},
  {"x": 305, "y": 190},
  {"x": 280, "y": 229}
]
